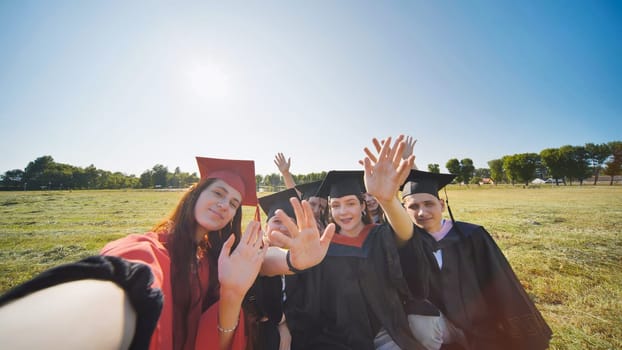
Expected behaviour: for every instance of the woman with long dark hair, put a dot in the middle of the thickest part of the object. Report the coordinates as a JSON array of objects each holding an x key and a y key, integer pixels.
[{"x": 211, "y": 265}]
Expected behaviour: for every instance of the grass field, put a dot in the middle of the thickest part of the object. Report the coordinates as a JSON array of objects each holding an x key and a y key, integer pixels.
[{"x": 563, "y": 242}]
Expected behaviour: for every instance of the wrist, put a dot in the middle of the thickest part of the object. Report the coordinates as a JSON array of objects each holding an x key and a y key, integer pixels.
[
  {"x": 231, "y": 295},
  {"x": 289, "y": 263}
]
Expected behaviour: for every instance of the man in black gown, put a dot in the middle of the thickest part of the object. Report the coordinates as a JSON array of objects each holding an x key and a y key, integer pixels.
[{"x": 467, "y": 293}]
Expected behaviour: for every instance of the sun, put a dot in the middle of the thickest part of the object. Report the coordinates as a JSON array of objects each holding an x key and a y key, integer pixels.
[{"x": 209, "y": 80}]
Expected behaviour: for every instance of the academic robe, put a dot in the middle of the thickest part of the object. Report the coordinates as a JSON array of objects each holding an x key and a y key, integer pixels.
[
  {"x": 343, "y": 302},
  {"x": 476, "y": 289},
  {"x": 202, "y": 332},
  {"x": 266, "y": 300}
]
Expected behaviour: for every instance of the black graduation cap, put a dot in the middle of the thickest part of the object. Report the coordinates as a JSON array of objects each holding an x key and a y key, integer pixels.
[
  {"x": 309, "y": 189},
  {"x": 425, "y": 182},
  {"x": 278, "y": 200},
  {"x": 339, "y": 183}
]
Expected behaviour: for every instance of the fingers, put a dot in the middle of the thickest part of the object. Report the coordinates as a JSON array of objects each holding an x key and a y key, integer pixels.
[
  {"x": 404, "y": 169},
  {"x": 370, "y": 155},
  {"x": 278, "y": 239},
  {"x": 367, "y": 164},
  {"x": 304, "y": 216},
  {"x": 377, "y": 144},
  {"x": 226, "y": 247},
  {"x": 308, "y": 218},
  {"x": 253, "y": 230},
  {"x": 397, "y": 152},
  {"x": 287, "y": 221}
]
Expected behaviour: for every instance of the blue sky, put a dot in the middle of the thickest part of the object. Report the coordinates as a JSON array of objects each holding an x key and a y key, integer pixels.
[{"x": 125, "y": 85}]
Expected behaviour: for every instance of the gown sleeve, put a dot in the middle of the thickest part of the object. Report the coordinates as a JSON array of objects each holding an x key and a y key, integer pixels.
[{"x": 148, "y": 250}]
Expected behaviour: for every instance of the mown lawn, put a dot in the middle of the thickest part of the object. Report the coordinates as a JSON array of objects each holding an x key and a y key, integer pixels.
[{"x": 563, "y": 242}]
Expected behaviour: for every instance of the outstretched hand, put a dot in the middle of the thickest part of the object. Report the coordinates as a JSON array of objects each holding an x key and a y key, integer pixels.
[
  {"x": 238, "y": 270},
  {"x": 306, "y": 247},
  {"x": 409, "y": 147},
  {"x": 386, "y": 171},
  {"x": 282, "y": 163}
]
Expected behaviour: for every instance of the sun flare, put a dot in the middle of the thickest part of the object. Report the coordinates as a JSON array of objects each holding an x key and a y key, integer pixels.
[{"x": 209, "y": 80}]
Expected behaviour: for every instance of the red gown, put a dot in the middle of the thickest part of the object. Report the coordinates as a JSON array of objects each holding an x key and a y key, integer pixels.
[{"x": 202, "y": 333}]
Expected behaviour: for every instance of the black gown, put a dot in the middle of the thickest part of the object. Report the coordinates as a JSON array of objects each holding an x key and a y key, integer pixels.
[
  {"x": 343, "y": 302},
  {"x": 266, "y": 298},
  {"x": 476, "y": 289}
]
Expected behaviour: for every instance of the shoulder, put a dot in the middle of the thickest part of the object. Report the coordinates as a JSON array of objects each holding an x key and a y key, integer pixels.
[
  {"x": 145, "y": 248},
  {"x": 469, "y": 229}
]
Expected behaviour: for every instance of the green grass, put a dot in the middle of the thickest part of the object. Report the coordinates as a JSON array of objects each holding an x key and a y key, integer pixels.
[{"x": 563, "y": 242}]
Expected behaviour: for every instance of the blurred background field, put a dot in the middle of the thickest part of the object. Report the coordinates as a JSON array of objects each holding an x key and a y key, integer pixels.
[{"x": 564, "y": 243}]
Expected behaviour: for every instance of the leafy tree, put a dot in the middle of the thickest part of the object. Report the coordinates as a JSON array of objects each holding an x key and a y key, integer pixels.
[
  {"x": 258, "y": 180},
  {"x": 510, "y": 167},
  {"x": 33, "y": 174},
  {"x": 434, "y": 168},
  {"x": 554, "y": 162},
  {"x": 174, "y": 179},
  {"x": 496, "y": 170},
  {"x": 453, "y": 166},
  {"x": 272, "y": 181},
  {"x": 159, "y": 175},
  {"x": 462, "y": 169},
  {"x": 146, "y": 179},
  {"x": 466, "y": 169},
  {"x": 577, "y": 166},
  {"x": 597, "y": 154},
  {"x": 481, "y": 173},
  {"x": 613, "y": 166},
  {"x": 12, "y": 179},
  {"x": 527, "y": 165}
]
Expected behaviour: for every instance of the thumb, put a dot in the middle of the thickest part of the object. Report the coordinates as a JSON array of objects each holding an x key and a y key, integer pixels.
[{"x": 327, "y": 236}]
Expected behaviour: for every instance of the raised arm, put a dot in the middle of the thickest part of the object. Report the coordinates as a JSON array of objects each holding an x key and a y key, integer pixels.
[
  {"x": 237, "y": 270},
  {"x": 284, "y": 165},
  {"x": 384, "y": 173}
]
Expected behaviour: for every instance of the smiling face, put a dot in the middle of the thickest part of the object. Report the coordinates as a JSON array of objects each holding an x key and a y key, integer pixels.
[
  {"x": 346, "y": 212},
  {"x": 425, "y": 210},
  {"x": 372, "y": 203},
  {"x": 216, "y": 206}
]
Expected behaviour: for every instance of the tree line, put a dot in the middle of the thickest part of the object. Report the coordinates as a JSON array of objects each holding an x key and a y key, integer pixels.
[
  {"x": 561, "y": 165},
  {"x": 565, "y": 165},
  {"x": 45, "y": 174}
]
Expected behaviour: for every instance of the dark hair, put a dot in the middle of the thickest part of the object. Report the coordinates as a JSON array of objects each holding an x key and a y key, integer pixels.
[
  {"x": 366, "y": 217},
  {"x": 183, "y": 251}
]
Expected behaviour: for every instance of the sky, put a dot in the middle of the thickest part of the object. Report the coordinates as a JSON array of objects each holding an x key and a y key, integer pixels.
[{"x": 126, "y": 85}]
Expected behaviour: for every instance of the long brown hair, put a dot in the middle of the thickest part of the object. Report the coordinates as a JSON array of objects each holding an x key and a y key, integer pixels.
[{"x": 183, "y": 251}]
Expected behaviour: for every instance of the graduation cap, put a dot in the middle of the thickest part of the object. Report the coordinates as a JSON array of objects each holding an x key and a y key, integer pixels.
[
  {"x": 309, "y": 189},
  {"x": 239, "y": 174},
  {"x": 278, "y": 200},
  {"x": 339, "y": 183},
  {"x": 425, "y": 182}
]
